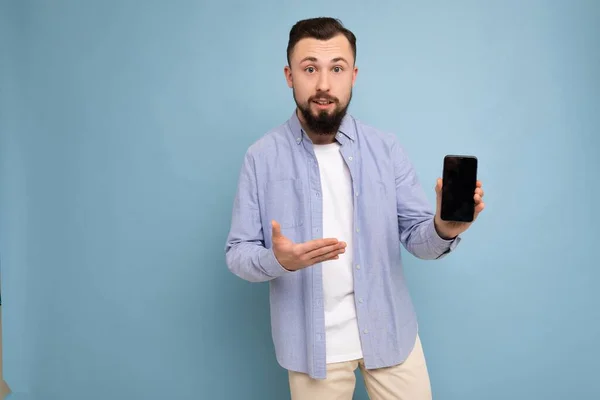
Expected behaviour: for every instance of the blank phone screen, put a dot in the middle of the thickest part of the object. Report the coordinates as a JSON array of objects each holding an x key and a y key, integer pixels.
[{"x": 458, "y": 188}]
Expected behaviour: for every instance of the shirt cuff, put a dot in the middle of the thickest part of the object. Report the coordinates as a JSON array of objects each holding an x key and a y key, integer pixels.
[
  {"x": 271, "y": 266},
  {"x": 441, "y": 246}
]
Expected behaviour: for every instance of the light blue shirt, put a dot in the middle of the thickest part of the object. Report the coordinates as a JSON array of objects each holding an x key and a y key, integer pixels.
[{"x": 280, "y": 180}]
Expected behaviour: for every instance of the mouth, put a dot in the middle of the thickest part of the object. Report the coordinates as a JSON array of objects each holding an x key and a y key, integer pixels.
[{"x": 323, "y": 103}]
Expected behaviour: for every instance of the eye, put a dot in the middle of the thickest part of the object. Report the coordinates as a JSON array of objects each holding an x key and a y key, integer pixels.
[
  {"x": 310, "y": 70},
  {"x": 337, "y": 69}
]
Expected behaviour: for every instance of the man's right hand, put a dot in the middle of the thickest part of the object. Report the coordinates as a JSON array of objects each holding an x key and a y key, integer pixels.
[{"x": 294, "y": 256}]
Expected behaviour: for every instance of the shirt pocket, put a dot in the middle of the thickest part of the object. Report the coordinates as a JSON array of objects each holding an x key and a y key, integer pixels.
[{"x": 285, "y": 202}]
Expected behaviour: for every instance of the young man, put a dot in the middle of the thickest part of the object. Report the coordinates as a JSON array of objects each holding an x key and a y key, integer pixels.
[{"x": 323, "y": 206}]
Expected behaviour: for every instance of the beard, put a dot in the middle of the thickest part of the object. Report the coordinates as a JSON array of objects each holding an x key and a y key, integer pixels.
[{"x": 324, "y": 122}]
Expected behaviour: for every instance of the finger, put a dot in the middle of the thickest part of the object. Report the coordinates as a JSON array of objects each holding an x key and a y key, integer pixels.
[
  {"x": 479, "y": 191},
  {"x": 276, "y": 229},
  {"x": 307, "y": 247},
  {"x": 479, "y": 184},
  {"x": 339, "y": 247},
  {"x": 479, "y": 207},
  {"x": 332, "y": 255},
  {"x": 477, "y": 199}
]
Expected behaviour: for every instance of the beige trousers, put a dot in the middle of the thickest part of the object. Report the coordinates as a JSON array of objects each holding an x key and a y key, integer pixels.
[{"x": 407, "y": 381}]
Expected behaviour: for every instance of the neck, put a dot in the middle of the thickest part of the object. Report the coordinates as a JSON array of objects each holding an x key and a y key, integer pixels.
[{"x": 316, "y": 138}]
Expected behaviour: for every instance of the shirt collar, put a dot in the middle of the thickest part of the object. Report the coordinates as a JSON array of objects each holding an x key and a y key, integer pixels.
[{"x": 347, "y": 128}]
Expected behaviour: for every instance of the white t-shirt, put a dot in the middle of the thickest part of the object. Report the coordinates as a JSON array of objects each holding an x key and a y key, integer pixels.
[{"x": 342, "y": 335}]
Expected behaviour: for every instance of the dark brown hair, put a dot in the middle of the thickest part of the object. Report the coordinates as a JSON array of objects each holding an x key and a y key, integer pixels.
[{"x": 321, "y": 28}]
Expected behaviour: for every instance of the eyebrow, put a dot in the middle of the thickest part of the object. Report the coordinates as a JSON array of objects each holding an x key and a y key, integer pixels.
[{"x": 314, "y": 59}]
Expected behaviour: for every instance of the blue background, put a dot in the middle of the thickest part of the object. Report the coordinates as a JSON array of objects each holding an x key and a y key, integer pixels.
[{"x": 122, "y": 130}]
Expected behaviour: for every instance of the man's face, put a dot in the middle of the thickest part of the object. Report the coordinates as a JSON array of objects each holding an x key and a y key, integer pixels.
[{"x": 322, "y": 74}]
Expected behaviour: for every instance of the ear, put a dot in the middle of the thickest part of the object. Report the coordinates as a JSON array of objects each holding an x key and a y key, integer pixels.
[
  {"x": 288, "y": 76},
  {"x": 354, "y": 74}
]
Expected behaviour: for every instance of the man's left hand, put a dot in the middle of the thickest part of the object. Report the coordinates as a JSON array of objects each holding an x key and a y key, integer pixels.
[{"x": 450, "y": 229}]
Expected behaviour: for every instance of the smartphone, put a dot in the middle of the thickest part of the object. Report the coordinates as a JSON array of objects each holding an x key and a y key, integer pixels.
[{"x": 458, "y": 188}]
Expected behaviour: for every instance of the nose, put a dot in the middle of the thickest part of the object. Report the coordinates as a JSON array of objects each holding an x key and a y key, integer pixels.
[{"x": 323, "y": 83}]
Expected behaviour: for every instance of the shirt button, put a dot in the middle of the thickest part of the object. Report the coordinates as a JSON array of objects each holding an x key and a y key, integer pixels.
[
  {"x": 318, "y": 194},
  {"x": 350, "y": 158},
  {"x": 360, "y": 300},
  {"x": 366, "y": 331},
  {"x": 356, "y": 193},
  {"x": 357, "y": 230},
  {"x": 357, "y": 266}
]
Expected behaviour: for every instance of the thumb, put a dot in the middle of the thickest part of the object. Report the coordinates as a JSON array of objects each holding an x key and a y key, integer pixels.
[
  {"x": 438, "y": 187},
  {"x": 276, "y": 229},
  {"x": 438, "y": 192}
]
